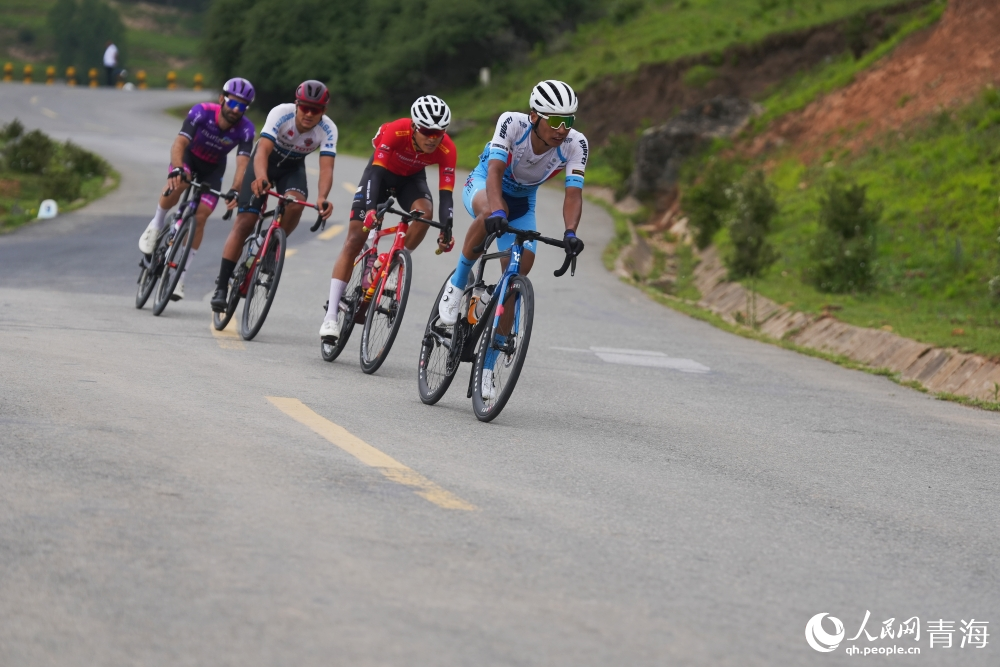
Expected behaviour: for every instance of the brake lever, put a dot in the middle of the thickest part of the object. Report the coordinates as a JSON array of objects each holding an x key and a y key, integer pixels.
[
  {"x": 228, "y": 215},
  {"x": 572, "y": 270},
  {"x": 446, "y": 233},
  {"x": 320, "y": 222}
]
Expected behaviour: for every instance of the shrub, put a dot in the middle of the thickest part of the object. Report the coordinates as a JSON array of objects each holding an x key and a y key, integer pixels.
[
  {"x": 60, "y": 183},
  {"x": 709, "y": 201},
  {"x": 31, "y": 153},
  {"x": 11, "y": 130},
  {"x": 619, "y": 155},
  {"x": 844, "y": 251},
  {"x": 699, "y": 76},
  {"x": 82, "y": 162},
  {"x": 754, "y": 208}
]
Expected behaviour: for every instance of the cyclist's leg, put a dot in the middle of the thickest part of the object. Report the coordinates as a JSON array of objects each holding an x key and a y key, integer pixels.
[
  {"x": 414, "y": 195},
  {"x": 353, "y": 244},
  {"x": 522, "y": 210},
  {"x": 213, "y": 179},
  {"x": 294, "y": 184},
  {"x": 247, "y": 212},
  {"x": 476, "y": 203},
  {"x": 147, "y": 242}
]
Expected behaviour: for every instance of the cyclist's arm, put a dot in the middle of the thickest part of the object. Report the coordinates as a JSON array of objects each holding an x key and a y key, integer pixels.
[
  {"x": 573, "y": 208},
  {"x": 177, "y": 151},
  {"x": 494, "y": 184},
  {"x": 326, "y": 163},
  {"x": 241, "y": 167},
  {"x": 447, "y": 205},
  {"x": 264, "y": 148}
]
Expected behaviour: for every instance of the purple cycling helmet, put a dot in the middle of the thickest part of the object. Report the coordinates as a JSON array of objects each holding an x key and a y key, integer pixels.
[{"x": 240, "y": 88}]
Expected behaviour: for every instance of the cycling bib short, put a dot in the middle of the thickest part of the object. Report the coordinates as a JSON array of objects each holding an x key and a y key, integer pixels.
[
  {"x": 283, "y": 175},
  {"x": 406, "y": 190},
  {"x": 208, "y": 173}
]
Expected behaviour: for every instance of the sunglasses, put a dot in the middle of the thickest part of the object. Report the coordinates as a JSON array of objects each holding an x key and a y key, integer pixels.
[
  {"x": 236, "y": 105},
  {"x": 311, "y": 110},
  {"x": 430, "y": 134},
  {"x": 556, "y": 121}
]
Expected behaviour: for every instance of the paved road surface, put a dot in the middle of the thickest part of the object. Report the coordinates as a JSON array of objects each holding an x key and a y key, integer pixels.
[{"x": 656, "y": 492}]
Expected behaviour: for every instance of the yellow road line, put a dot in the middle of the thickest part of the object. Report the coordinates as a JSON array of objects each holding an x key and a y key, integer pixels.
[
  {"x": 362, "y": 451},
  {"x": 330, "y": 233},
  {"x": 290, "y": 252},
  {"x": 49, "y": 112},
  {"x": 229, "y": 338},
  {"x": 350, "y": 187}
]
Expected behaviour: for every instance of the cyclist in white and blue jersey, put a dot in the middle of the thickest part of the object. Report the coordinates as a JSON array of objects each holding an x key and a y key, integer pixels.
[{"x": 526, "y": 150}]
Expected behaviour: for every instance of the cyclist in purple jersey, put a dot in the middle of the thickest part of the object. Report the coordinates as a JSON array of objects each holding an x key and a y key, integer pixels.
[{"x": 209, "y": 133}]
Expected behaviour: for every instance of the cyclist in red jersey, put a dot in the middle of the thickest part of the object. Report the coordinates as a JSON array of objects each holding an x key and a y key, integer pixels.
[{"x": 403, "y": 148}]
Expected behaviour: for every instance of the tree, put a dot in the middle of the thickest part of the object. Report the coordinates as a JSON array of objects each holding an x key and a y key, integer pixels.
[
  {"x": 81, "y": 30},
  {"x": 754, "y": 208},
  {"x": 844, "y": 252}
]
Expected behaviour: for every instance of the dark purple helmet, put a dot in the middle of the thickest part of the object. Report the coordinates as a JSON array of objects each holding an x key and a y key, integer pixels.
[{"x": 240, "y": 88}]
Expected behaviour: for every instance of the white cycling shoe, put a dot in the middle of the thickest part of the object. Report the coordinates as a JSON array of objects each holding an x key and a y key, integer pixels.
[
  {"x": 178, "y": 292},
  {"x": 489, "y": 390},
  {"x": 448, "y": 305},
  {"x": 147, "y": 242},
  {"x": 329, "y": 329}
]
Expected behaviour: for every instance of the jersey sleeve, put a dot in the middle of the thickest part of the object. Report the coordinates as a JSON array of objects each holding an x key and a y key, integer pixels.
[
  {"x": 329, "y": 146},
  {"x": 245, "y": 146},
  {"x": 576, "y": 162},
  {"x": 380, "y": 158},
  {"x": 194, "y": 119},
  {"x": 503, "y": 138},
  {"x": 274, "y": 119},
  {"x": 446, "y": 165}
]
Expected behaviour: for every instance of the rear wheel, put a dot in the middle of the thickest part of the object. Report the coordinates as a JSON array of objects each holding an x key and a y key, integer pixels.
[
  {"x": 349, "y": 303},
  {"x": 221, "y": 320},
  {"x": 440, "y": 352},
  {"x": 173, "y": 264},
  {"x": 385, "y": 312},
  {"x": 499, "y": 362},
  {"x": 263, "y": 284}
]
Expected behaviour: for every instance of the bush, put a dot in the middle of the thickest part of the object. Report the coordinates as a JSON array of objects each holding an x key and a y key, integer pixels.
[
  {"x": 11, "y": 131},
  {"x": 844, "y": 251},
  {"x": 708, "y": 202},
  {"x": 82, "y": 162},
  {"x": 31, "y": 153},
  {"x": 61, "y": 184},
  {"x": 754, "y": 208}
]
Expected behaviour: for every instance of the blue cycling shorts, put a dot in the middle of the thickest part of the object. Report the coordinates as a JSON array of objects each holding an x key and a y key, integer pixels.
[{"x": 520, "y": 210}]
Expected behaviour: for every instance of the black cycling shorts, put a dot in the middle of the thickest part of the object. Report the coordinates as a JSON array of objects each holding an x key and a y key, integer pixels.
[
  {"x": 406, "y": 190},
  {"x": 285, "y": 175},
  {"x": 209, "y": 173}
]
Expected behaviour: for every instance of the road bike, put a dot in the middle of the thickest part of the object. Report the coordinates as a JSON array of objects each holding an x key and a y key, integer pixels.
[
  {"x": 164, "y": 267},
  {"x": 258, "y": 270},
  {"x": 493, "y": 331},
  {"x": 380, "y": 304}
]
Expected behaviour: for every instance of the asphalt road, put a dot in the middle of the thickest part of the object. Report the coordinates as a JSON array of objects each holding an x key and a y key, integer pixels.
[{"x": 677, "y": 495}]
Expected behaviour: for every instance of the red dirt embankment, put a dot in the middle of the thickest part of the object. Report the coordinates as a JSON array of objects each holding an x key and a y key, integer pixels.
[{"x": 944, "y": 67}]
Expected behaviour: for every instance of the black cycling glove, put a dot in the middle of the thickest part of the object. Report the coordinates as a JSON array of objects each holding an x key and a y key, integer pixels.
[
  {"x": 497, "y": 223},
  {"x": 231, "y": 195},
  {"x": 573, "y": 245}
]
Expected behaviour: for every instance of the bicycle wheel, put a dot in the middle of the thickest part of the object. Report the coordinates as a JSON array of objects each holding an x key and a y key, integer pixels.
[
  {"x": 147, "y": 276},
  {"x": 383, "y": 318},
  {"x": 221, "y": 320},
  {"x": 173, "y": 264},
  {"x": 440, "y": 352},
  {"x": 508, "y": 357},
  {"x": 345, "y": 316},
  {"x": 263, "y": 284}
]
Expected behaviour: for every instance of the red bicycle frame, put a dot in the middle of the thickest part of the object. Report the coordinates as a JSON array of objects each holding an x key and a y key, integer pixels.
[
  {"x": 276, "y": 215},
  {"x": 397, "y": 245}
]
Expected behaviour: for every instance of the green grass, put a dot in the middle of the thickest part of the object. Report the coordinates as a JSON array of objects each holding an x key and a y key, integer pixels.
[
  {"x": 16, "y": 211},
  {"x": 161, "y": 40},
  {"x": 657, "y": 31},
  {"x": 938, "y": 244}
]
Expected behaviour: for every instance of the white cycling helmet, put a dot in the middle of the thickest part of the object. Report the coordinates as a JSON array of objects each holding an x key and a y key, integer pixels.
[
  {"x": 553, "y": 97},
  {"x": 430, "y": 112}
]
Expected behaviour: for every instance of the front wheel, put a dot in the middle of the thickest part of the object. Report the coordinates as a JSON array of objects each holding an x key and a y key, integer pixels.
[
  {"x": 350, "y": 301},
  {"x": 440, "y": 352},
  {"x": 385, "y": 312},
  {"x": 499, "y": 358},
  {"x": 263, "y": 284},
  {"x": 151, "y": 267},
  {"x": 173, "y": 264}
]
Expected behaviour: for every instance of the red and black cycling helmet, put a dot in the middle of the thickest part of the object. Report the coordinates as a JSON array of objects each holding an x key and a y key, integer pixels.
[{"x": 312, "y": 92}]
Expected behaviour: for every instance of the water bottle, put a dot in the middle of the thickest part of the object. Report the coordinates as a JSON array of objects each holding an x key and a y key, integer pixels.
[
  {"x": 255, "y": 244},
  {"x": 477, "y": 304}
]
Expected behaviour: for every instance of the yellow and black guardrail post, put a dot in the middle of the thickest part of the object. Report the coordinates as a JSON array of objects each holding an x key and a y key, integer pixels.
[
  {"x": 140, "y": 76},
  {"x": 93, "y": 77},
  {"x": 29, "y": 72},
  {"x": 199, "y": 80},
  {"x": 171, "y": 80},
  {"x": 70, "y": 76},
  {"x": 8, "y": 72},
  {"x": 50, "y": 75}
]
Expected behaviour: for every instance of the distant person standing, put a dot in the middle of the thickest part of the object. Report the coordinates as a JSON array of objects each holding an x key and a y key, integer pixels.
[{"x": 111, "y": 62}]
